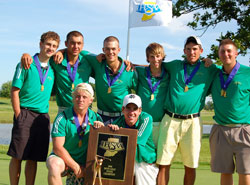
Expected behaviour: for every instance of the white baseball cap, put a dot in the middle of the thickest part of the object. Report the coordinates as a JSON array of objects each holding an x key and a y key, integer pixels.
[
  {"x": 194, "y": 39},
  {"x": 132, "y": 98},
  {"x": 85, "y": 86}
]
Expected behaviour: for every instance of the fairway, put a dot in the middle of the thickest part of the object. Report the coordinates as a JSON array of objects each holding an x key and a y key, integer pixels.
[{"x": 203, "y": 177}]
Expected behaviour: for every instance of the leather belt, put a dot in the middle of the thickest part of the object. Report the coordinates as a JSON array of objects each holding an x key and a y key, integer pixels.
[{"x": 179, "y": 116}]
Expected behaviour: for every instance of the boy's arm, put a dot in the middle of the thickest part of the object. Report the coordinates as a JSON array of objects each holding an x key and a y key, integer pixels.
[
  {"x": 15, "y": 101},
  {"x": 26, "y": 60}
]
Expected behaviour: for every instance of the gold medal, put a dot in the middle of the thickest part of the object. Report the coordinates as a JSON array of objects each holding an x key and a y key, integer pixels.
[
  {"x": 152, "y": 97},
  {"x": 73, "y": 86},
  {"x": 186, "y": 88},
  {"x": 223, "y": 93},
  {"x": 109, "y": 90},
  {"x": 42, "y": 87},
  {"x": 80, "y": 144}
]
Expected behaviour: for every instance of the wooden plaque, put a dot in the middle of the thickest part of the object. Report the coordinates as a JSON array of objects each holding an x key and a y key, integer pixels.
[{"x": 118, "y": 150}]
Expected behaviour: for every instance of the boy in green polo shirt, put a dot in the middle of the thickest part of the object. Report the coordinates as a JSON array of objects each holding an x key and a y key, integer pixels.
[
  {"x": 30, "y": 96},
  {"x": 145, "y": 168},
  {"x": 153, "y": 85},
  {"x": 181, "y": 125},
  {"x": 230, "y": 136},
  {"x": 70, "y": 135},
  {"x": 72, "y": 70},
  {"x": 112, "y": 81}
]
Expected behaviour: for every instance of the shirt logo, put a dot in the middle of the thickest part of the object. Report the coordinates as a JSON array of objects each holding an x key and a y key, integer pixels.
[
  {"x": 148, "y": 9},
  {"x": 237, "y": 83}
]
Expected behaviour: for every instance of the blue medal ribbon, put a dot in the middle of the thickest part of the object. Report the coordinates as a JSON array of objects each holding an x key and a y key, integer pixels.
[
  {"x": 39, "y": 68},
  {"x": 189, "y": 78},
  {"x": 111, "y": 82},
  {"x": 224, "y": 84},
  {"x": 72, "y": 74},
  {"x": 153, "y": 88},
  {"x": 81, "y": 128}
]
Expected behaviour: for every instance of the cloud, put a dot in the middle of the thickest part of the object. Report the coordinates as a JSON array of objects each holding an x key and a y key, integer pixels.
[
  {"x": 171, "y": 47},
  {"x": 179, "y": 25}
]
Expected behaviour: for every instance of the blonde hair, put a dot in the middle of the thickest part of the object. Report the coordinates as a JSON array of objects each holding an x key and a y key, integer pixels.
[
  {"x": 155, "y": 49},
  {"x": 82, "y": 87}
]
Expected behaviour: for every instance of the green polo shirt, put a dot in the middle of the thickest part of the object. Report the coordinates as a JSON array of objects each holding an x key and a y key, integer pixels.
[
  {"x": 235, "y": 107},
  {"x": 64, "y": 126},
  {"x": 192, "y": 101},
  {"x": 63, "y": 83},
  {"x": 28, "y": 81},
  {"x": 111, "y": 102},
  {"x": 146, "y": 150},
  {"x": 153, "y": 107}
]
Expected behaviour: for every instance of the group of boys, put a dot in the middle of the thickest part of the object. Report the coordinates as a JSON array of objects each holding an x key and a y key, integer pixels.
[{"x": 165, "y": 111}]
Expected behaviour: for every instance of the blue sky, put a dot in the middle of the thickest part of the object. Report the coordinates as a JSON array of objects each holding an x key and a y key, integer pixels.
[{"x": 23, "y": 22}]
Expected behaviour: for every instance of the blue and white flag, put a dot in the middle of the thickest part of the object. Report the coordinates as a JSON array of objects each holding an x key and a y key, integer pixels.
[{"x": 149, "y": 13}]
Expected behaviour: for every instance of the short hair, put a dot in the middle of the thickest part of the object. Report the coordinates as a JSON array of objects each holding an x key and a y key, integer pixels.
[
  {"x": 227, "y": 41},
  {"x": 83, "y": 87},
  {"x": 155, "y": 49},
  {"x": 50, "y": 35},
  {"x": 110, "y": 39},
  {"x": 73, "y": 33}
]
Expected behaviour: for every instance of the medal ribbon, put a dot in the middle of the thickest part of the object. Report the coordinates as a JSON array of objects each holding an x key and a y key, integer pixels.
[
  {"x": 111, "y": 82},
  {"x": 224, "y": 85},
  {"x": 189, "y": 78},
  {"x": 81, "y": 129},
  {"x": 73, "y": 74},
  {"x": 153, "y": 88},
  {"x": 39, "y": 68}
]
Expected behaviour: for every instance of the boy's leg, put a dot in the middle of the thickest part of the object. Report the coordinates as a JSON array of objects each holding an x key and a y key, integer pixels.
[
  {"x": 14, "y": 170},
  {"x": 30, "y": 172}
]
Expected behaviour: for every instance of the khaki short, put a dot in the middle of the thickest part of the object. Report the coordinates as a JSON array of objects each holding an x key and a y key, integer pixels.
[
  {"x": 185, "y": 134},
  {"x": 230, "y": 148}
]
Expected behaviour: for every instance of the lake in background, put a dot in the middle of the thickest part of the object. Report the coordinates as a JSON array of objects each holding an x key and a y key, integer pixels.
[{"x": 5, "y": 132}]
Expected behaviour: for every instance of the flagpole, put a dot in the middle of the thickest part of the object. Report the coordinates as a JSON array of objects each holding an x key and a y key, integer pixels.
[{"x": 128, "y": 35}]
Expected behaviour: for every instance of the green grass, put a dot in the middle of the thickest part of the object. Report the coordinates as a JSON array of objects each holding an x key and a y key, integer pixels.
[
  {"x": 207, "y": 117},
  {"x": 6, "y": 112},
  {"x": 204, "y": 175}
]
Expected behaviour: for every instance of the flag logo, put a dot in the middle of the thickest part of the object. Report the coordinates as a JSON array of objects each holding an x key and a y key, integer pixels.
[
  {"x": 148, "y": 9},
  {"x": 150, "y": 13}
]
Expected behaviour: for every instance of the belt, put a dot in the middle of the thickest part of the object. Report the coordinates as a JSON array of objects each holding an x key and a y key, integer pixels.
[
  {"x": 110, "y": 114},
  {"x": 179, "y": 116},
  {"x": 231, "y": 125}
]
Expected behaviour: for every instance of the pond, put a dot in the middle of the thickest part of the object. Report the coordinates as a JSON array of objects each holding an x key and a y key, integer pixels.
[{"x": 5, "y": 132}]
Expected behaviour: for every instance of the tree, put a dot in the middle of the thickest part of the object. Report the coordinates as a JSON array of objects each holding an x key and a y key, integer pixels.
[
  {"x": 6, "y": 89},
  {"x": 209, "y": 13}
]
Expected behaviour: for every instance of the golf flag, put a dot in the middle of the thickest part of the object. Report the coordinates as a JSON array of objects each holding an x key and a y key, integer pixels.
[{"x": 149, "y": 13}]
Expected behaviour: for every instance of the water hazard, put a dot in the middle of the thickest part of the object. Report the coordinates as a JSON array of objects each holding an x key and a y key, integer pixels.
[{"x": 5, "y": 132}]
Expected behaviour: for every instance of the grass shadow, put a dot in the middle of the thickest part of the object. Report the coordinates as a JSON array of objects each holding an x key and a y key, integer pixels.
[{"x": 3, "y": 103}]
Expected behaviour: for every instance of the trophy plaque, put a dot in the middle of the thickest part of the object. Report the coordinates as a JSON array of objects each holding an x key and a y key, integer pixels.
[{"x": 111, "y": 156}]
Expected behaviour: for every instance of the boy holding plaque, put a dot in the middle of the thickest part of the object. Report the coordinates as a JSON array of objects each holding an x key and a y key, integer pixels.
[
  {"x": 145, "y": 169},
  {"x": 70, "y": 135},
  {"x": 230, "y": 136},
  {"x": 30, "y": 96}
]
